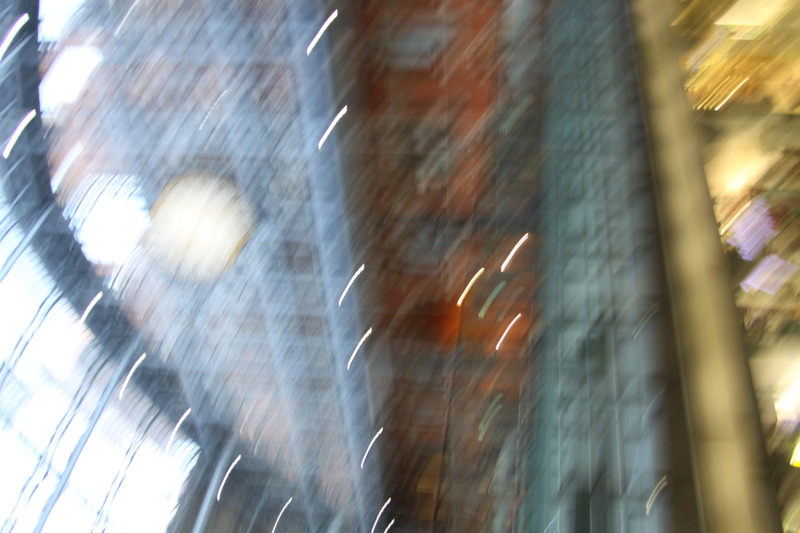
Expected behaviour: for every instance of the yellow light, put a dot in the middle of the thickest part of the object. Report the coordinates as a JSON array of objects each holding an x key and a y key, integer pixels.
[
  {"x": 795, "y": 460},
  {"x": 469, "y": 286},
  {"x": 731, "y": 95}
]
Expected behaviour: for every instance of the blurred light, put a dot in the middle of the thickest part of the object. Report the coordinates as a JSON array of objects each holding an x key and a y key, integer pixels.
[
  {"x": 54, "y": 15},
  {"x": 17, "y": 132},
  {"x": 358, "y": 273},
  {"x": 213, "y": 106},
  {"x": 130, "y": 374},
  {"x": 795, "y": 459},
  {"x": 389, "y": 526},
  {"x": 469, "y": 286},
  {"x": 91, "y": 306},
  {"x": 643, "y": 322},
  {"x": 228, "y": 473},
  {"x": 488, "y": 416},
  {"x": 752, "y": 228},
  {"x": 177, "y": 426},
  {"x": 370, "y": 447},
  {"x": 64, "y": 80},
  {"x": 656, "y": 491},
  {"x": 281, "y": 514},
  {"x": 769, "y": 275},
  {"x": 513, "y": 251},
  {"x": 491, "y": 298},
  {"x": 61, "y": 171},
  {"x": 379, "y": 515},
  {"x": 336, "y": 119},
  {"x": 507, "y": 330},
  {"x": 324, "y": 27},
  {"x": 109, "y": 216},
  {"x": 367, "y": 334},
  {"x": 246, "y": 418},
  {"x": 125, "y": 18},
  {"x": 734, "y": 217},
  {"x": 787, "y": 407},
  {"x": 9, "y": 38},
  {"x": 731, "y": 94},
  {"x": 200, "y": 224}
]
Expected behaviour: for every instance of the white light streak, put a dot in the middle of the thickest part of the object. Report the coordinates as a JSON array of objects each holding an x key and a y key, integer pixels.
[
  {"x": 17, "y": 132},
  {"x": 125, "y": 18},
  {"x": 370, "y": 447},
  {"x": 379, "y": 515},
  {"x": 358, "y": 273},
  {"x": 389, "y": 526},
  {"x": 506, "y": 331},
  {"x": 177, "y": 426},
  {"x": 336, "y": 119},
  {"x": 91, "y": 306},
  {"x": 324, "y": 27},
  {"x": 469, "y": 286},
  {"x": 213, "y": 106},
  {"x": 656, "y": 491},
  {"x": 731, "y": 95},
  {"x": 367, "y": 334},
  {"x": 281, "y": 514},
  {"x": 9, "y": 38},
  {"x": 61, "y": 171},
  {"x": 513, "y": 251},
  {"x": 228, "y": 473},
  {"x": 130, "y": 374}
]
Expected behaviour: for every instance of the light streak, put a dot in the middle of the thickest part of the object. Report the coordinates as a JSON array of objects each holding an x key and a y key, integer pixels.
[
  {"x": 656, "y": 491},
  {"x": 734, "y": 217},
  {"x": 246, "y": 418},
  {"x": 344, "y": 293},
  {"x": 389, "y": 526},
  {"x": 324, "y": 27},
  {"x": 9, "y": 38},
  {"x": 485, "y": 427},
  {"x": 367, "y": 334},
  {"x": 17, "y": 132},
  {"x": 130, "y": 374},
  {"x": 61, "y": 171},
  {"x": 643, "y": 321},
  {"x": 506, "y": 331},
  {"x": 213, "y": 106},
  {"x": 489, "y": 411},
  {"x": 91, "y": 306},
  {"x": 370, "y": 447},
  {"x": 177, "y": 426},
  {"x": 230, "y": 468},
  {"x": 513, "y": 251},
  {"x": 281, "y": 514},
  {"x": 336, "y": 119},
  {"x": 469, "y": 286},
  {"x": 495, "y": 292},
  {"x": 731, "y": 95},
  {"x": 379, "y": 515},
  {"x": 125, "y": 18}
]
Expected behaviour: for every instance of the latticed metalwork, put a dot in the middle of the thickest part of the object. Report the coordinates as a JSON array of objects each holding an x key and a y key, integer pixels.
[{"x": 597, "y": 455}]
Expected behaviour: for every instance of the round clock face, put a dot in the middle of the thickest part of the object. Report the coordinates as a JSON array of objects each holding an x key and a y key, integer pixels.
[{"x": 198, "y": 225}]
